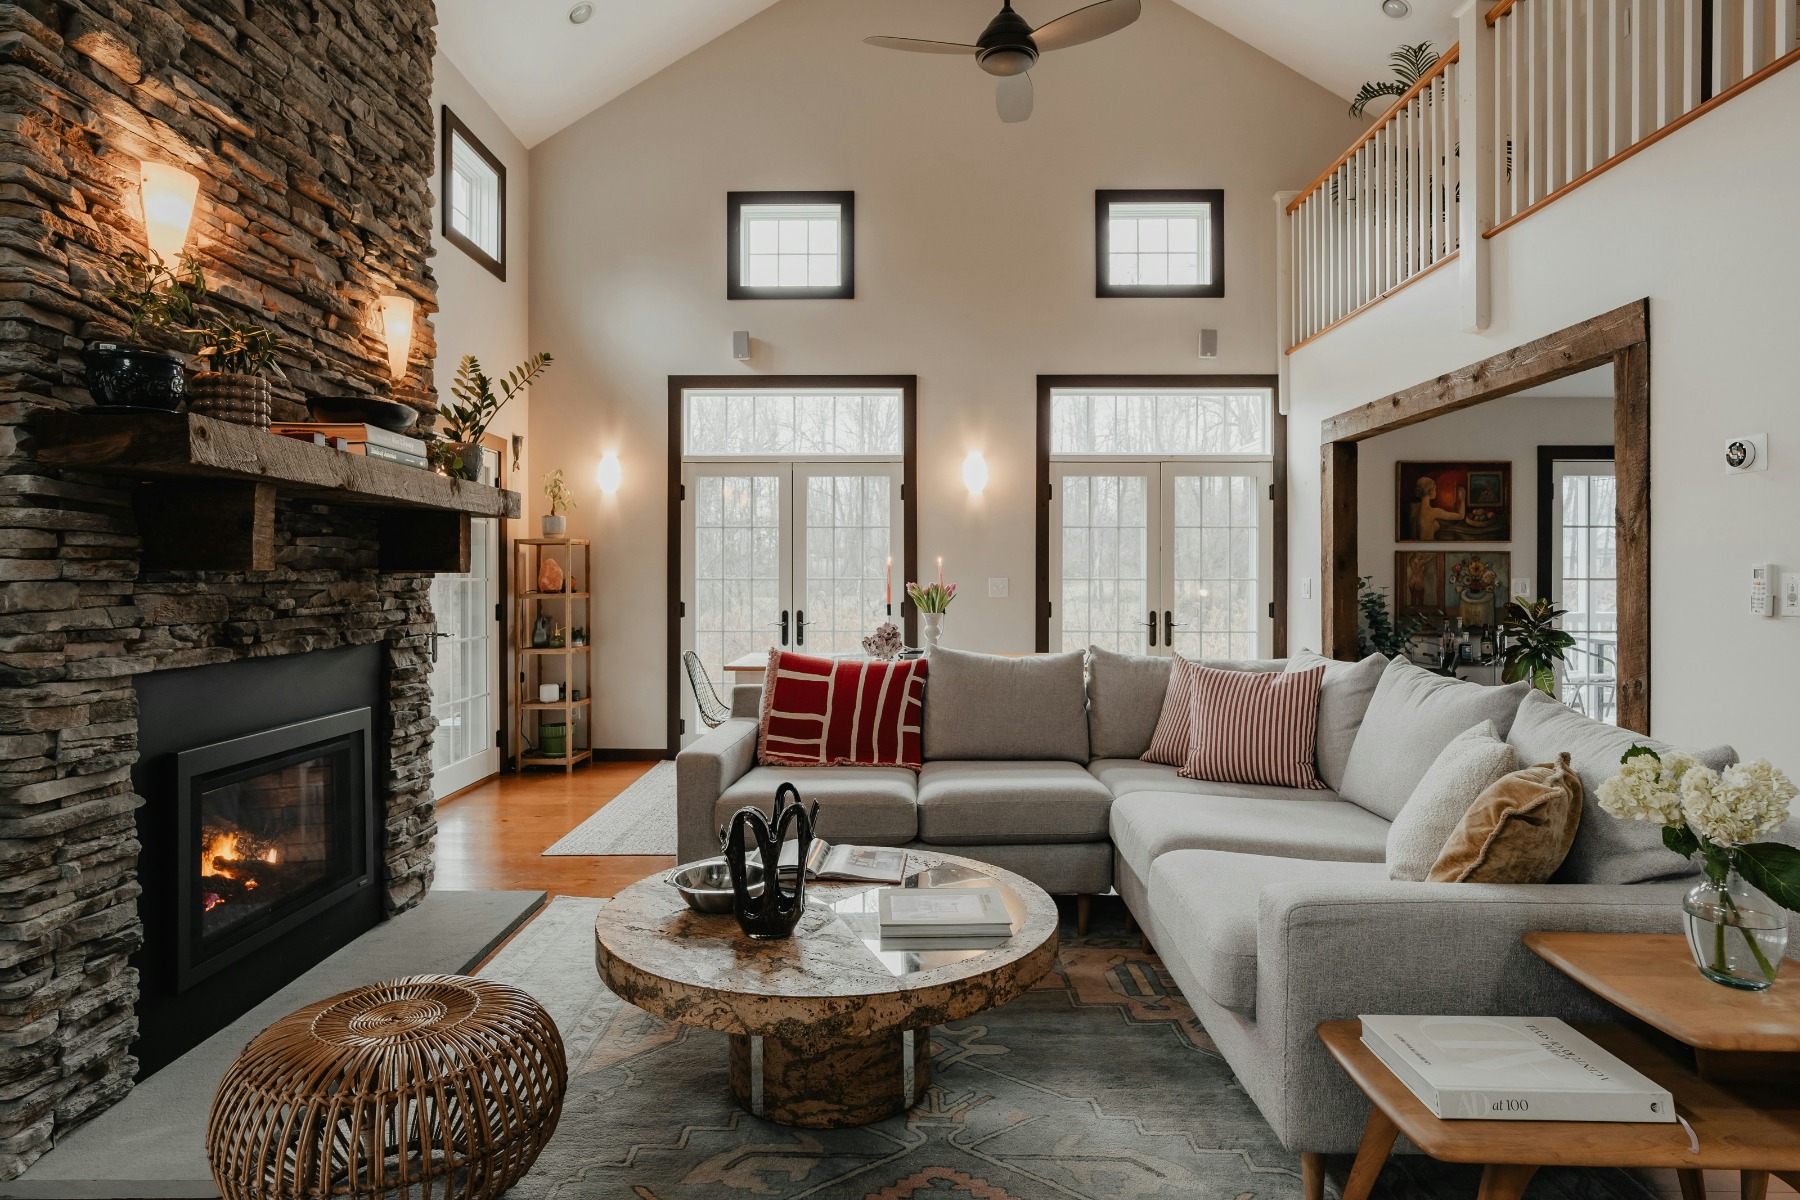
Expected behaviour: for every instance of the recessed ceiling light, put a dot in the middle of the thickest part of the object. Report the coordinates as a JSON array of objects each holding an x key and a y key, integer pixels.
[
  {"x": 1396, "y": 9},
  {"x": 582, "y": 12}
]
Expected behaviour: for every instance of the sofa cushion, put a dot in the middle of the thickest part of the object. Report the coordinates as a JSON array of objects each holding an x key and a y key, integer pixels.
[
  {"x": 982, "y": 706},
  {"x": 1254, "y": 727},
  {"x": 1174, "y": 721},
  {"x": 1284, "y": 822},
  {"x": 1212, "y": 901},
  {"x": 1474, "y": 761},
  {"x": 841, "y": 712},
  {"x": 1607, "y": 850},
  {"x": 968, "y": 803},
  {"x": 1343, "y": 700},
  {"x": 1124, "y": 695},
  {"x": 1519, "y": 831},
  {"x": 1411, "y": 718},
  {"x": 1124, "y": 775},
  {"x": 875, "y": 806}
]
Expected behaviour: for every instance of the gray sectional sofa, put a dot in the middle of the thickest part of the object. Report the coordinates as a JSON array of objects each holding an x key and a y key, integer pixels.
[{"x": 1271, "y": 907}]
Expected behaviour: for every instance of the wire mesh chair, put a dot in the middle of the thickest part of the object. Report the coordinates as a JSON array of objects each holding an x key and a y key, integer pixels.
[{"x": 714, "y": 711}]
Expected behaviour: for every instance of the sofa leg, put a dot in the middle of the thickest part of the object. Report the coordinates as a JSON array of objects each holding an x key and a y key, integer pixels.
[
  {"x": 1084, "y": 907},
  {"x": 1144, "y": 944},
  {"x": 1130, "y": 922},
  {"x": 1312, "y": 1175}
]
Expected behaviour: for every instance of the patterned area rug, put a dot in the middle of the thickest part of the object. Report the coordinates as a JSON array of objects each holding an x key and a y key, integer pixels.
[
  {"x": 639, "y": 820},
  {"x": 1097, "y": 1085}
]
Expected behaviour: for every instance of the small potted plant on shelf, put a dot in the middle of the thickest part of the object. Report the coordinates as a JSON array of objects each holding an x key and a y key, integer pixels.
[
  {"x": 476, "y": 405},
  {"x": 561, "y": 498},
  {"x": 239, "y": 358},
  {"x": 155, "y": 296},
  {"x": 1534, "y": 644}
]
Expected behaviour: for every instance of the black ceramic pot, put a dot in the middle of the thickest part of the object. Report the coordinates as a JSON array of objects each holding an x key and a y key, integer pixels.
[{"x": 120, "y": 375}]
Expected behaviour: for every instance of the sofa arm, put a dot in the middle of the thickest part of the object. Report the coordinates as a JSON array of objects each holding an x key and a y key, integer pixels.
[
  {"x": 703, "y": 770},
  {"x": 1332, "y": 951}
]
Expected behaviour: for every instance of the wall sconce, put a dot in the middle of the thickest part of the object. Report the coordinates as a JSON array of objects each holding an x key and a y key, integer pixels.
[
  {"x": 975, "y": 472},
  {"x": 168, "y": 195},
  {"x": 397, "y": 329},
  {"x": 607, "y": 474}
]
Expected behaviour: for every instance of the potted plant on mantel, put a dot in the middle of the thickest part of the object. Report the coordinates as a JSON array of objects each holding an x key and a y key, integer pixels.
[
  {"x": 561, "y": 501},
  {"x": 240, "y": 357},
  {"x": 458, "y": 452},
  {"x": 155, "y": 296}
]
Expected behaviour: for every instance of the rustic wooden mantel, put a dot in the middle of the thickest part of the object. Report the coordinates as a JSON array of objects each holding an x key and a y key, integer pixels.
[{"x": 206, "y": 496}]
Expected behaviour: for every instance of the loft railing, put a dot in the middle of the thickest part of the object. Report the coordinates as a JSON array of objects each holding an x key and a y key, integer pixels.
[{"x": 1536, "y": 99}]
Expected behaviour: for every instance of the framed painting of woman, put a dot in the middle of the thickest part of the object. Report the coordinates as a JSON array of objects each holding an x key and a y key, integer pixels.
[{"x": 1453, "y": 502}]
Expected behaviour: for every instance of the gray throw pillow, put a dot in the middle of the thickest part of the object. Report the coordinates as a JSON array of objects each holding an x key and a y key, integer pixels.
[
  {"x": 1343, "y": 699},
  {"x": 1125, "y": 698},
  {"x": 985, "y": 706},
  {"x": 1606, "y": 850},
  {"x": 1475, "y": 760},
  {"x": 1413, "y": 715}
]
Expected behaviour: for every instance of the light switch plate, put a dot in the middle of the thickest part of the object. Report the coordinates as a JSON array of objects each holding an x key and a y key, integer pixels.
[
  {"x": 997, "y": 587},
  {"x": 1306, "y": 588},
  {"x": 1788, "y": 598},
  {"x": 1521, "y": 588}
]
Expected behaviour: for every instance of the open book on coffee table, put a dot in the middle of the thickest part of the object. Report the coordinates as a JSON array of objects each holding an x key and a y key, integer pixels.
[{"x": 854, "y": 864}]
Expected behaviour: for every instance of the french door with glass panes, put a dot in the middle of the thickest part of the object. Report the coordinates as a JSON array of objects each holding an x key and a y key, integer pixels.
[
  {"x": 465, "y": 666},
  {"x": 786, "y": 554},
  {"x": 1584, "y": 565},
  {"x": 1151, "y": 557}
]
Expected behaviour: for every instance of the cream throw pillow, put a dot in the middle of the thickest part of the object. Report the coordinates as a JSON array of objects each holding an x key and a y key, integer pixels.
[{"x": 1474, "y": 761}]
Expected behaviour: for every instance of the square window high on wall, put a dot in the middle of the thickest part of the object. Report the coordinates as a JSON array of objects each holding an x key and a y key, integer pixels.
[
  {"x": 1159, "y": 243},
  {"x": 474, "y": 196},
  {"x": 790, "y": 245}
]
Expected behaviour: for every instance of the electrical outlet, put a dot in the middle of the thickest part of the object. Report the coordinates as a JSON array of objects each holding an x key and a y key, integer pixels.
[
  {"x": 1789, "y": 596},
  {"x": 997, "y": 587}
]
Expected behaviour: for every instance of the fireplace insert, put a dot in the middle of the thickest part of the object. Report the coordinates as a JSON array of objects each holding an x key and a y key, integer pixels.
[{"x": 274, "y": 828}]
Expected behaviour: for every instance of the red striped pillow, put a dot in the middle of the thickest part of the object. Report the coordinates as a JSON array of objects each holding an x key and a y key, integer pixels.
[
  {"x": 1247, "y": 727},
  {"x": 1169, "y": 744},
  {"x": 835, "y": 712}
]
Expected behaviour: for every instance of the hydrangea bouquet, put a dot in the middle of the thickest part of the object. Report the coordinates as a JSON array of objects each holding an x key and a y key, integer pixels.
[{"x": 1718, "y": 815}]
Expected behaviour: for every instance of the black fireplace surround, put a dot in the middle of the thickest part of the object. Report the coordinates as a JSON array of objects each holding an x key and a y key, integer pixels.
[{"x": 261, "y": 849}]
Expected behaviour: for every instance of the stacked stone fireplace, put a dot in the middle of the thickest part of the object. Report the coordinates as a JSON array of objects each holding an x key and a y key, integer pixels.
[{"x": 308, "y": 124}]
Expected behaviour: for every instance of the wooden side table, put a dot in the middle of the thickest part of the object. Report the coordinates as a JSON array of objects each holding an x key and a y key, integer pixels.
[{"x": 1753, "y": 1128}]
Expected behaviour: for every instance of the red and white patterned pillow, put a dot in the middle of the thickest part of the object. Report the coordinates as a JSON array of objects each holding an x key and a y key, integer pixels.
[
  {"x": 1254, "y": 727},
  {"x": 833, "y": 712},
  {"x": 1169, "y": 744}
]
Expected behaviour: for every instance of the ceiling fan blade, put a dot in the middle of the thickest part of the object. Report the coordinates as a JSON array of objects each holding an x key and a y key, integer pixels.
[
  {"x": 1013, "y": 98},
  {"x": 1086, "y": 24},
  {"x": 918, "y": 46}
]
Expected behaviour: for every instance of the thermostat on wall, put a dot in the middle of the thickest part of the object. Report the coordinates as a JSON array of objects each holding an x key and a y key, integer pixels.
[{"x": 1747, "y": 453}]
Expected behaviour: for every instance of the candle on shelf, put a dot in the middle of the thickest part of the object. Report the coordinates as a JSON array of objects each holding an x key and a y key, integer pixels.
[{"x": 940, "y": 570}]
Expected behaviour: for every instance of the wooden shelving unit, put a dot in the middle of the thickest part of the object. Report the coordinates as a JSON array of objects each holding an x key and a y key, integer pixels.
[{"x": 568, "y": 664}]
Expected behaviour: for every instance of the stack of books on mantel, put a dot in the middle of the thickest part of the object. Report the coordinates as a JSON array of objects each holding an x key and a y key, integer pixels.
[
  {"x": 943, "y": 918},
  {"x": 1512, "y": 1069},
  {"x": 371, "y": 441}
]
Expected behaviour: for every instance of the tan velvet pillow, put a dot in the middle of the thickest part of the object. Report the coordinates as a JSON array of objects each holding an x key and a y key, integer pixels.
[{"x": 1518, "y": 831}]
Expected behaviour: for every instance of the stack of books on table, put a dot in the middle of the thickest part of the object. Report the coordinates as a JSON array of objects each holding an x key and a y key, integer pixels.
[
  {"x": 943, "y": 918},
  {"x": 369, "y": 440},
  {"x": 1512, "y": 1069}
]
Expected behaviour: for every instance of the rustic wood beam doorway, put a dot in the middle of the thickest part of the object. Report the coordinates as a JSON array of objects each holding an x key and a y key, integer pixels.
[{"x": 1621, "y": 338}]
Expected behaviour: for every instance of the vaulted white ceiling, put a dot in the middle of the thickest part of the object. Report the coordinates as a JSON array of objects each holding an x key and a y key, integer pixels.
[{"x": 541, "y": 73}]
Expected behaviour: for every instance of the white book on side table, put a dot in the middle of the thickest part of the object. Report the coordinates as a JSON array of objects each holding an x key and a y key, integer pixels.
[
  {"x": 855, "y": 864},
  {"x": 978, "y": 912},
  {"x": 1512, "y": 1069}
]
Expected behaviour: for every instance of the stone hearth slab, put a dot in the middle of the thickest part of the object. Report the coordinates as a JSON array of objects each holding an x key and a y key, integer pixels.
[{"x": 152, "y": 1143}]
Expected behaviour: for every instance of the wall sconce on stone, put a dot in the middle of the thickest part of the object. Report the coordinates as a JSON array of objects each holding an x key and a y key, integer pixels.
[
  {"x": 608, "y": 474},
  {"x": 975, "y": 472},
  {"x": 397, "y": 329},
  {"x": 168, "y": 195}
]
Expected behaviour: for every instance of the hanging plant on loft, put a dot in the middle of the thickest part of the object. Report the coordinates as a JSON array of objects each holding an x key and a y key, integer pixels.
[{"x": 1410, "y": 64}]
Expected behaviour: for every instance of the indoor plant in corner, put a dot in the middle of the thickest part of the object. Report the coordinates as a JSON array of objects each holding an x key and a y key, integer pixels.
[
  {"x": 464, "y": 421},
  {"x": 1534, "y": 644},
  {"x": 1736, "y": 926},
  {"x": 155, "y": 296},
  {"x": 239, "y": 358},
  {"x": 561, "y": 501}
]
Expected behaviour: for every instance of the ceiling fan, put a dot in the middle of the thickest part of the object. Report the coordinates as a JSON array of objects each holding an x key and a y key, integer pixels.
[{"x": 1009, "y": 47}]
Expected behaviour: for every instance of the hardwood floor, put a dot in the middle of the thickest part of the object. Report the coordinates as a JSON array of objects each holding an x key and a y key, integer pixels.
[{"x": 494, "y": 834}]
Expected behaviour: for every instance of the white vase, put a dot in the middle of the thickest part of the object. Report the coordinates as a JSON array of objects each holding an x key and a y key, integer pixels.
[
  {"x": 931, "y": 628},
  {"x": 554, "y": 526}
]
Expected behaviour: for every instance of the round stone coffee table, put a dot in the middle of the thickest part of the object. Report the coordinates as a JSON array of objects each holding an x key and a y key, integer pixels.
[{"x": 827, "y": 1028}]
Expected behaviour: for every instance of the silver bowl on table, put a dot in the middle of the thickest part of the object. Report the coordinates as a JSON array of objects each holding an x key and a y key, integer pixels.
[{"x": 706, "y": 884}]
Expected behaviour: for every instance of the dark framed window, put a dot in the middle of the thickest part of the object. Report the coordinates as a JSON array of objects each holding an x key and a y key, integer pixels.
[
  {"x": 790, "y": 245},
  {"x": 1159, "y": 243},
  {"x": 474, "y": 196}
]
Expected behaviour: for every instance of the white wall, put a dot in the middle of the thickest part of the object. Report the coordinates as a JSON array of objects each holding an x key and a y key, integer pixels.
[
  {"x": 1703, "y": 223},
  {"x": 1505, "y": 430},
  {"x": 974, "y": 266}
]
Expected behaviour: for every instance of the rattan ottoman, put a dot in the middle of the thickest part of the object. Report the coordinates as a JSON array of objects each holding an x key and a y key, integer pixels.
[{"x": 434, "y": 1086}]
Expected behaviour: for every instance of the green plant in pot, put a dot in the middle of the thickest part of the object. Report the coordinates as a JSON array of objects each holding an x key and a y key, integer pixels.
[
  {"x": 159, "y": 303},
  {"x": 1377, "y": 632},
  {"x": 561, "y": 498},
  {"x": 239, "y": 358},
  {"x": 462, "y": 422},
  {"x": 1534, "y": 644}
]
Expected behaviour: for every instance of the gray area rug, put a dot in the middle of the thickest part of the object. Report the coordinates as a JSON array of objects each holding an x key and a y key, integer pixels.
[
  {"x": 639, "y": 820},
  {"x": 1099, "y": 1085}
]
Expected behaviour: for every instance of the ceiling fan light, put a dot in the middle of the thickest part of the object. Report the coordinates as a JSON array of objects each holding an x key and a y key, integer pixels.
[{"x": 1008, "y": 60}]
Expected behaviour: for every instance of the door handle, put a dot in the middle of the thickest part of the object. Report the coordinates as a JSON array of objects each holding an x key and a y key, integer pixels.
[
  {"x": 1168, "y": 627},
  {"x": 799, "y": 627},
  {"x": 783, "y": 624},
  {"x": 1152, "y": 624},
  {"x": 435, "y": 638}
]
